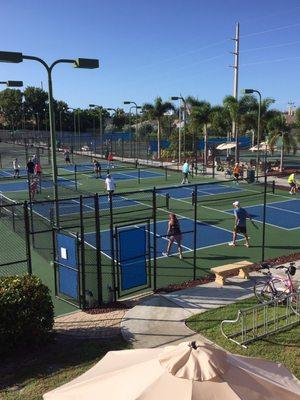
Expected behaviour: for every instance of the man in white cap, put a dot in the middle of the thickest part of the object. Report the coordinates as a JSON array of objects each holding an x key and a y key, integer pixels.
[
  {"x": 110, "y": 185},
  {"x": 240, "y": 225}
]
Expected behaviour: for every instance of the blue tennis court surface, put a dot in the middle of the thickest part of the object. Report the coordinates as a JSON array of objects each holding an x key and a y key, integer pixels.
[
  {"x": 207, "y": 236},
  {"x": 128, "y": 174},
  {"x": 72, "y": 207},
  {"x": 281, "y": 214},
  {"x": 9, "y": 173},
  {"x": 184, "y": 192},
  {"x": 22, "y": 184},
  {"x": 84, "y": 167}
]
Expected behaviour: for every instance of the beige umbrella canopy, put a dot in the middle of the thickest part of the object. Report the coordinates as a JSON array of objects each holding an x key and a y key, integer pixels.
[
  {"x": 184, "y": 372},
  {"x": 263, "y": 146},
  {"x": 226, "y": 146}
]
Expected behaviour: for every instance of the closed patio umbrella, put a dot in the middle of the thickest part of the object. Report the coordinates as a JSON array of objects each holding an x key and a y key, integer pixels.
[{"x": 189, "y": 371}]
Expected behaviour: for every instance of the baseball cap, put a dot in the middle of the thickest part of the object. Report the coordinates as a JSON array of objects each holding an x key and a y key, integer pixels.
[{"x": 236, "y": 203}]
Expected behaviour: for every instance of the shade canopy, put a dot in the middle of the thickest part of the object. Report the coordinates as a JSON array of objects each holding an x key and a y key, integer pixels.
[
  {"x": 226, "y": 146},
  {"x": 184, "y": 372},
  {"x": 263, "y": 146}
]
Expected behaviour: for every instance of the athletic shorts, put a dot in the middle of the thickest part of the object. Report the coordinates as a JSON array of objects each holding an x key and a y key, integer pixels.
[
  {"x": 292, "y": 185},
  {"x": 185, "y": 175},
  {"x": 177, "y": 238},
  {"x": 16, "y": 171},
  {"x": 236, "y": 175},
  {"x": 67, "y": 159},
  {"x": 240, "y": 229}
]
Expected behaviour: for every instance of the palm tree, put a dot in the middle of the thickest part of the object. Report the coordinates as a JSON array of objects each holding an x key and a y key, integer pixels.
[
  {"x": 279, "y": 129},
  {"x": 200, "y": 116},
  {"x": 233, "y": 106},
  {"x": 157, "y": 111}
]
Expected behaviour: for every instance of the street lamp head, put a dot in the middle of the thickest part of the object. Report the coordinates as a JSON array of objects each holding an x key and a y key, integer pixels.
[
  {"x": 11, "y": 57},
  {"x": 175, "y": 98},
  {"x": 247, "y": 91},
  {"x": 127, "y": 102},
  {"x": 138, "y": 107},
  {"x": 88, "y": 63},
  {"x": 14, "y": 83},
  {"x": 92, "y": 105}
]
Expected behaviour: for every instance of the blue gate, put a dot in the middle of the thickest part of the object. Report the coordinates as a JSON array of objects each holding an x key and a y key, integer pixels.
[
  {"x": 133, "y": 257},
  {"x": 67, "y": 268}
]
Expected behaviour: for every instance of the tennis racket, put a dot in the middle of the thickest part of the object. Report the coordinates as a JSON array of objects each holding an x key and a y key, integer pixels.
[{"x": 254, "y": 224}]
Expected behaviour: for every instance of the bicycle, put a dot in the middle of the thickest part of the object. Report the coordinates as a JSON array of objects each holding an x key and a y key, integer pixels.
[{"x": 278, "y": 287}]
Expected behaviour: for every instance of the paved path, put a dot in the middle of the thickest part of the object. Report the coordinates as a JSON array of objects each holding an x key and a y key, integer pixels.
[{"x": 160, "y": 319}]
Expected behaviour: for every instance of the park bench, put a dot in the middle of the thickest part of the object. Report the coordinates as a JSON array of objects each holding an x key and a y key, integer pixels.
[{"x": 239, "y": 268}]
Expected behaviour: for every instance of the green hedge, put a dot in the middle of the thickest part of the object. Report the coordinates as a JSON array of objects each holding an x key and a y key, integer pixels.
[{"x": 26, "y": 312}]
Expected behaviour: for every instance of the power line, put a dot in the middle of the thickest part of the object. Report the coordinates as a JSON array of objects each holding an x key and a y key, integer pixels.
[
  {"x": 271, "y": 61},
  {"x": 280, "y": 28},
  {"x": 270, "y": 47}
]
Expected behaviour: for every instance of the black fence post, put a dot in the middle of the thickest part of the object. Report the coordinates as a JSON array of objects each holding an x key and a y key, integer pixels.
[
  {"x": 154, "y": 239},
  {"x": 54, "y": 256},
  {"x": 195, "y": 233},
  {"x": 264, "y": 218},
  {"x": 98, "y": 248},
  {"x": 82, "y": 251},
  {"x": 139, "y": 175},
  {"x": 27, "y": 238},
  {"x": 75, "y": 177},
  {"x": 166, "y": 173},
  {"x": 112, "y": 245},
  {"x": 213, "y": 168}
]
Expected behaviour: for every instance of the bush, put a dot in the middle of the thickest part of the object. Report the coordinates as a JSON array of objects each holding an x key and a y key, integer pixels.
[{"x": 26, "y": 312}]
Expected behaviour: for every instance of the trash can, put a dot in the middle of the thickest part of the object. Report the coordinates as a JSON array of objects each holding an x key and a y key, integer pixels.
[{"x": 250, "y": 175}]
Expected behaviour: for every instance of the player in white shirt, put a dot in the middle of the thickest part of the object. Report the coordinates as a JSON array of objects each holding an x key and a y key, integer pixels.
[
  {"x": 16, "y": 168},
  {"x": 110, "y": 185}
]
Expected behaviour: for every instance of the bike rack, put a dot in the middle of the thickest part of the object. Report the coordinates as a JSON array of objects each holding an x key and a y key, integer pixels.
[{"x": 261, "y": 320}]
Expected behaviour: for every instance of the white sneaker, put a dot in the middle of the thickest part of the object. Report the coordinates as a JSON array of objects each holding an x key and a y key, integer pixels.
[
  {"x": 180, "y": 256},
  {"x": 231, "y": 244},
  {"x": 165, "y": 254}
]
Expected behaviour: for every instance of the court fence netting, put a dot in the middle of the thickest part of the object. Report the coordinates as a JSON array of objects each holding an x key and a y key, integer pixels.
[{"x": 103, "y": 248}]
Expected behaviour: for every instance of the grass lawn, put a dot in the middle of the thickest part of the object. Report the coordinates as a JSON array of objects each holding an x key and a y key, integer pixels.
[
  {"x": 30, "y": 374},
  {"x": 282, "y": 347}
]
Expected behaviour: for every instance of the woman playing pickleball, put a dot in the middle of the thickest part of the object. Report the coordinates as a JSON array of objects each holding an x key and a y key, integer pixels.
[{"x": 174, "y": 235}]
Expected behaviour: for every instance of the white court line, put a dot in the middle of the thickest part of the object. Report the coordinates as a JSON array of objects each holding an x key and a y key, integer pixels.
[
  {"x": 227, "y": 212},
  {"x": 164, "y": 221},
  {"x": 283, "y": 209},
  {"x": 164, "y": 238}
]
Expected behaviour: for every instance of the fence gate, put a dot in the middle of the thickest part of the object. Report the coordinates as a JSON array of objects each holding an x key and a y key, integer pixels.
[
  {"x": 133, "y": 257},
  {"x": 67, "y": 268}
]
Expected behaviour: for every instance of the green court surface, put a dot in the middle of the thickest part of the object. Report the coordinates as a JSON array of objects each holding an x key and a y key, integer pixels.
[{"x": 206, "y": 228}]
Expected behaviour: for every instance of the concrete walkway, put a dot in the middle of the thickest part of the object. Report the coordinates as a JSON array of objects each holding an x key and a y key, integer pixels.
[{"x": 160, "y": 319}]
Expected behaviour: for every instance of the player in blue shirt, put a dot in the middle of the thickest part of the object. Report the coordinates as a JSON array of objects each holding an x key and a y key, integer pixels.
[
  {"x": 185, "y": 172},
  {"x": 240, "y": 225}
]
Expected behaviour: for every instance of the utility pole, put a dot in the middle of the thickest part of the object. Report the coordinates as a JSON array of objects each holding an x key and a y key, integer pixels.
[{"x": 236, "y": 54}]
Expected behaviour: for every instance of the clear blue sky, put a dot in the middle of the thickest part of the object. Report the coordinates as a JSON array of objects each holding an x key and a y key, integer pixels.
[{"x": 155, "y": 48}]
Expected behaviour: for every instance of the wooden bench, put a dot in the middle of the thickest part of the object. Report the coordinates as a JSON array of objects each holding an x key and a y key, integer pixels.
[{"x": 224, "y": 271}]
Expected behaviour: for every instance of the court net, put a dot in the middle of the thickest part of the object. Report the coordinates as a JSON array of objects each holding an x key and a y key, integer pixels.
[{"x": 223, "y": 193}]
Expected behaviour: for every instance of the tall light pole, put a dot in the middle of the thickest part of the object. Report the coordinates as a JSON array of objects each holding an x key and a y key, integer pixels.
[
  {"x": 116, "y": 112},
  {"x": 251, "y": 91},
  {"x": 17, "y": 57},
  {"x": 100, "y": 108},
  {"x": 60, "y": 123},
  {"x": 136, "y": 122},
  {"x": 181, "y": 99}
]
